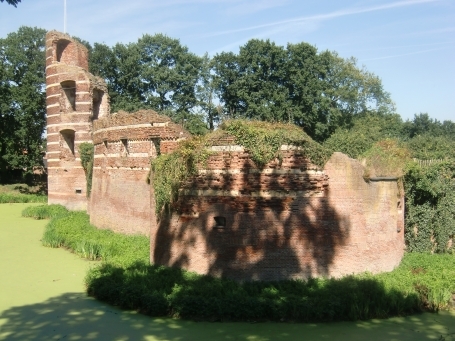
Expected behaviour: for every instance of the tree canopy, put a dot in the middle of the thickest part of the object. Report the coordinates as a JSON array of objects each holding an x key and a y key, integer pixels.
[
  {"x": 331, "y": 98},
  {"x": 22, "y": 100},
  {"x": 12, "y": 2},
  {"x": 296, "y": 84}
]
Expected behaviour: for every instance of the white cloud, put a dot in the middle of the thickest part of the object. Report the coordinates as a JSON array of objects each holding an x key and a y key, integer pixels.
[
  {"x": 328, "y": 16},
  {"x": 403, "y": 54}
]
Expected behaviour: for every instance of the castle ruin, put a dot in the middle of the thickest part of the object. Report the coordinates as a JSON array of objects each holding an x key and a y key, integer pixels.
[{"x": 289, "y": 219}]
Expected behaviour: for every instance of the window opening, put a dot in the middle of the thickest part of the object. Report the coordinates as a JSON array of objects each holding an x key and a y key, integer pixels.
[
  {"x": 69, "y": 89},
  {"x": 69, "y": 136},
  {"x": 125, "y": 146},
  {"x": 220, "y": 222},
  {"x": 96, "y": 104},
  {"x": 155, "y": 145}
]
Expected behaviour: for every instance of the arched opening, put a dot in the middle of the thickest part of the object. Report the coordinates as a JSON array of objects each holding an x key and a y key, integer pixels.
[{"x": 69, "y": 96}]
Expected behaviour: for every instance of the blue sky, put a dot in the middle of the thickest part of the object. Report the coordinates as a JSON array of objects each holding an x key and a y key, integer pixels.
[{"x": 409, "y": 44}]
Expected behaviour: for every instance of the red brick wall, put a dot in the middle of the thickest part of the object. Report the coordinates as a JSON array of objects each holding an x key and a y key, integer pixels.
[
  {"x": 286, "y": 221},
  {"x": 124, "y": 146},
  {"x": 120, "y": 197}
]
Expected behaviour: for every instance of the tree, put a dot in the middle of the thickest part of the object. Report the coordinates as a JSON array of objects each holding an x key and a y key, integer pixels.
[
  {"x": 305, "y": 88},
  {"x": 226, "y": 76},
  {"x": 120, "y": 66},
  {"x": 318, "y": 92},
  {"x": 423, "y": 124},
  {"x": 169, "y": 73},
  {"x": 156, "y": 72},
  {"x": 262, "y": 89},
  {"x": 12, "y": 2},
  {"x": 206, "y": 93},
  {"x": 22, "y": 100},
  {"x": 347, "y": 92}
]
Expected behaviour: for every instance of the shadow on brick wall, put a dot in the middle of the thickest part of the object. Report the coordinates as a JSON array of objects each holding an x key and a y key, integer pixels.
[{"x": 252, "y": 238}]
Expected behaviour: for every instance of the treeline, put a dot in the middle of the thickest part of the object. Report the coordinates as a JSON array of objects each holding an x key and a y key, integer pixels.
[
  {"x": 318, "y": 91},
  {"x": 424, "y": 137},
  {"x": 335, "y": 101}
]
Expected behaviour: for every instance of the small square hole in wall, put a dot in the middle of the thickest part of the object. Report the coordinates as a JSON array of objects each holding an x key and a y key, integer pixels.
[
  {"x": 78, "y": 191},
  {"x": 220, "y": 222}
]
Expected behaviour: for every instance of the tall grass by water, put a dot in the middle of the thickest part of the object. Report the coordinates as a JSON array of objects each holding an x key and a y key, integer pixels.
[
  {"x": 423, "y": 282},
  {"x": 44, "y": 211}
]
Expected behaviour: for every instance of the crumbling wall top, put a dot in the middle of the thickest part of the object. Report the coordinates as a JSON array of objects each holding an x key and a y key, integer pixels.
[
  {"x": 142, "y": 124},
  {"x": 62, "y": 48}
]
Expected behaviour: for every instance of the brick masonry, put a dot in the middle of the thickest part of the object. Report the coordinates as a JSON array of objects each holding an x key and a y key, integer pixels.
[
  {"x": 69, "y": 92},
  {"x": 287, "y": 220},
  {"x": 124, "y": 146}
]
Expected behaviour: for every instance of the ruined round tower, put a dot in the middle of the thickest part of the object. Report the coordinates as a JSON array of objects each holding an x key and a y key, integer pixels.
[{"x": 74, "y": 99}]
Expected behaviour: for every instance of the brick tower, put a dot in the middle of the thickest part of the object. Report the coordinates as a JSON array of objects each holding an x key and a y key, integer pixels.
[{"x": 74, "y": 99}]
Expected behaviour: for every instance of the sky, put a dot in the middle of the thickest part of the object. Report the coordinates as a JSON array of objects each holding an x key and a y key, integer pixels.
[{"x": 409, "y": 44}]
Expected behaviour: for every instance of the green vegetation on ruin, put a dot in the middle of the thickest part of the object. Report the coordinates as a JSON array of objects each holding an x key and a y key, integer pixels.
[
  {"x": 86, "y": 152},
  {"x": 261, "y": 139},
  {"x": 124, "y": 278}
]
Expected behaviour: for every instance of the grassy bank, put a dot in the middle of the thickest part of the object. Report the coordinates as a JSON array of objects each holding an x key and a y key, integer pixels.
[
  {"x": 423, "y": 282},
  {"x": 21, "y": 193}
]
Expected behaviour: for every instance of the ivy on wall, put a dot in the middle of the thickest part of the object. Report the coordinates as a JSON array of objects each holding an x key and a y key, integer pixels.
[
  {"x": 86, "y": 152},
  {"x": 430, "y": 207},
  {"x": 171, "y": 170}
]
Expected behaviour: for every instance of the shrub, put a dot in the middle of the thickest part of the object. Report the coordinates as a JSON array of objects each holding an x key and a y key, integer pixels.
[
  {"x": 7, "y": 198},
  {"x": 421, "y": 282},
  {"x": 21, "y": 193},
  {"x": 430, "y": 212},
  {"x": 73, "y": 231},
  {"x": 264, "y": 139},
  {"x": 385, "y": 158},
  {"x": 365, "y": 132},
  {"x": 427, "y": 147},
  {"x": 171, "y": 170}
]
